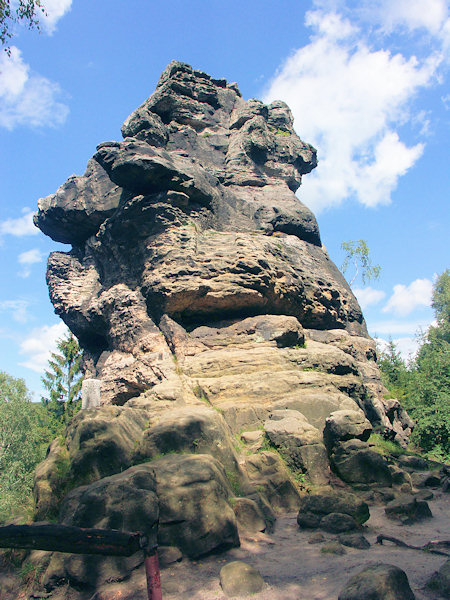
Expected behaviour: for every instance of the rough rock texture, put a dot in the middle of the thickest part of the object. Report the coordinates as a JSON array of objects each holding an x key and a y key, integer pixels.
[
  {"x": 378, "y": 582},
  {"x": 300, "y": 443},
  {"x": 314, "y": 508},
  {"x": 237, "y": 578},
  {"x": 408, "y": 509},
  {"x": 223, "y": 336},
  {"x": 186, "y": 495},
  {"x": 440, "y": 581},
  {"x": 356, "y": 462}
]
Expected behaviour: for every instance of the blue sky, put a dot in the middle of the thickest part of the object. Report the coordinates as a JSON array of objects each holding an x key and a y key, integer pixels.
[{"x": 367, "y": 83}]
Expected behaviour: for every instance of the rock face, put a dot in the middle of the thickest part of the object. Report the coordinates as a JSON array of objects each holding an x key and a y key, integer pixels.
[{"x": 207, "y": 307}]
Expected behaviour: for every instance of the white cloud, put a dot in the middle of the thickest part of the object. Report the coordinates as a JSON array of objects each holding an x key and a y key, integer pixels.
[
  {"x": 39, "y": 344},
  {"x": 410, "y": 14},
  {"x": 54, "y": 9},
  {"x": 348, "y": 100},
  {"x": 21, "y": 226},
  {"x": 367, "y": 296},
  {"x": 27, "y": 98},
  {"x": 28, "y": 258},
  {"x": 407, "y": 346},
  {"x": 393, "y": 327},
  {"x": 18, "y": 309},
  {"x": 407, "y": 298}
]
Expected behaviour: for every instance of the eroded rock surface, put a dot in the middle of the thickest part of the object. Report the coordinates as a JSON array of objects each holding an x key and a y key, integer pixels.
[{"x": 224, "y": 337}]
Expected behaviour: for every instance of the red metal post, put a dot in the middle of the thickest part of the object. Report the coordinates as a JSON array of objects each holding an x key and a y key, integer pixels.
[{"x": 152, "y": 573}]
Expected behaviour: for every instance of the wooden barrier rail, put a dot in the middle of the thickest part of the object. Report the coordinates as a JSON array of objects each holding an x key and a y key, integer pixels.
[{"x": 76, "y": 540}]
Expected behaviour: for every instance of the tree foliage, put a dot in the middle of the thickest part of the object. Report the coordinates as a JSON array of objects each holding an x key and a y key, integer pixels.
[
  {"x": 24, "y": 436},
  {"x": 424, "y": 385},
  {"x": 11, "y": 12},
  {"x": 63, "y": 379},
  {"x": 357, "y": 253}
]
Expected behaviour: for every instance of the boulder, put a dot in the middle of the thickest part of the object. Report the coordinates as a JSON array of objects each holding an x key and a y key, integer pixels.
[
  {"x": 355, "y": 462},
  {"x": 50, "y": 481},
  {"x": 336, "y": 522},
  {"x": 354, "y": 540},
  {"x": 269, "y": 476},
  {"x": 378, "y": 582},
  {"x": 416, "y": 463},
  {"x": 183, "y": 497},
  {"x": 408, "y": 509},
  {"x": 333, "y": 548},
  {"x": 316, "y": 538},
  {"x": 248, "y": 514},
  {"x": 237, "y": 578},
  {"x": 189, "y": 429},
  {"x": 299, "y": 443},
  {"x": 315, "y": 507},
  {"x": 344, "y": 425},
  {"x": 194, "y": 513},
  {"x": 439, "y": 582},
  {"x": 101, "y": 441},
  {"x": 167, "y": 555}
]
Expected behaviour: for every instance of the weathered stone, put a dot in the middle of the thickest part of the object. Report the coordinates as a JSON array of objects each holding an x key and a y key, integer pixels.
[
  {"x": 316, "y": 538},
  {"x": 338, "y": 522},
  {"x": 333, "y": 548},
  {"x": 439, "y": 582},
  {"x": 204, "y": 302},
  {"x": 355, "y": 462},
  {"x": 101, "y": 441},
  {"x": 252, "y": 437},
  {"x": 76, "y": 211},
  {"x": 417, "y": 463},
  {"x": 193, "y": 429},
  {"x": 408, "y": 509},
  {"x": 354, "y": 540},
  {"x": 299, "y": 443},
  {"x": 399, "y": 476},
  {"x": 240, "y": 579},
  {"x": 248, "y": 514},
  {"x": 185, "y": 496},
  {"x": 194, "y": 512},
  {"x": 49, "y": 480},
  {"x": 378, "y": 582},
  {"x": 313, "y": 507},
  {"x": 424, "y": 495},
  {"x": 344, "y": 425},
  {"x": 267, "y": 473},
  {"x": 167, "y": 555}
]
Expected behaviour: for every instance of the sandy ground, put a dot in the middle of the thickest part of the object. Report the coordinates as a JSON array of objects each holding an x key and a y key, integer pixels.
[
  {"x": 292, "y": 568},
  {"x": 296, "y": 570}
]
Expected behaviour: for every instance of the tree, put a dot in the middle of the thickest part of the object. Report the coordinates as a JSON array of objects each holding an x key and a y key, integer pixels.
[
  {"x": 429, "y": 394},
  {"x": 394, "y": 371},
  {"x": 357, "y": 252},
  {"x": 63, "y": 379},
  {"x": 424, "y": 385},
  {"x": 24, "y": 437},
  {"x": 11, "y": 12}
]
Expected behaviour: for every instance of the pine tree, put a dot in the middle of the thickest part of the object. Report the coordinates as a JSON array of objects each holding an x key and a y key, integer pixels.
[{"x": 63, "y": 380}]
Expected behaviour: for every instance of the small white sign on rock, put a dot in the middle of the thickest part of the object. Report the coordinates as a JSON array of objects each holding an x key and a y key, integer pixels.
[{"x": 90, "y": 393}]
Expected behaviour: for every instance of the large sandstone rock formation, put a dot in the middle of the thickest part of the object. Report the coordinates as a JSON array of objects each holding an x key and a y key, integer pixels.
[{"x": 205, "y": 303}]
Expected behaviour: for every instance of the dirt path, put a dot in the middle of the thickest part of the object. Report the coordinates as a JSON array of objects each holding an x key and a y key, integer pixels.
[{"x": 295, "y": 570}]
